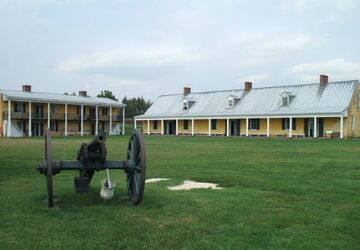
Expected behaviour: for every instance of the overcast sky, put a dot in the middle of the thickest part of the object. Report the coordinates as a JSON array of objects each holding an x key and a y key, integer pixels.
[{"x": 147, "y": 48}]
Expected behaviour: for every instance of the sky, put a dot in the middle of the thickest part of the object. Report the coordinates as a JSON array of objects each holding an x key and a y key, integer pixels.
[{"x": 154, "y": 47}]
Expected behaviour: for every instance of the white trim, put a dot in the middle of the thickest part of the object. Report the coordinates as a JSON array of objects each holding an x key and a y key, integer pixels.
[
  {"x": 135, "y": 123},
  {"x": 315, "y": 127},
  {"x": 290, "y": 127},
  {"x": 192, "y": 127},
  {"x": 9, "y": 119},
  {"x": 82, "y": 121},
  {"x": 227, "y": 127},
  {"x": 268, "y": 127},
  {"x": 123, "y": 125},
  {"x": 162, "y": 127},
  {"x": 341, "y": 127},
  {"x": 30, "y": 113},
  {"x": 247, "y": 127},
  {"x": 209, "y": 130},
  {"x": 148, "y": 127},
  {"x": 66, "y": 120},
  {"x": 110, "y": 121},
  {"x": 48, "y": 115},
  {"x": 242, "y": 117},
  {"x": 177, "y": 127},
  {"x": 96, "y": 120}
]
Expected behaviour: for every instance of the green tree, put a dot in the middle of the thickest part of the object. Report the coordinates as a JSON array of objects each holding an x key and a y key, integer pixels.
[
  {"x": 135, "y": 106},
  {"x": 107, "y": 94}
]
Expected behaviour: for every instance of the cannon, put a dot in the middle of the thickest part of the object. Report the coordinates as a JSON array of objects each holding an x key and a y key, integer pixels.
[{"x": 92, "y": 157}]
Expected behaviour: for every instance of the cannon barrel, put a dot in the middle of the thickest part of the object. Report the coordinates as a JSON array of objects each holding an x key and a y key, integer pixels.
[{"x": 99, "y": 139}]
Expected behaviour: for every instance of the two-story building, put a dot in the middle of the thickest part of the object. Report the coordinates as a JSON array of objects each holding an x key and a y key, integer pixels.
[
  {"x": 305, "y": 110},
  {"x": 27, "y": 113}
]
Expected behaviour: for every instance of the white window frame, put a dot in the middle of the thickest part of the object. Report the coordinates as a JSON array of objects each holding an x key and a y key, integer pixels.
[
  {"x": 353, "y": 123},
  {"x": 185, "y": 105},
  {"x": 230, "y": 103},
  {"x": 253, "y": 122},
  {"x": 285, "y": 97}
]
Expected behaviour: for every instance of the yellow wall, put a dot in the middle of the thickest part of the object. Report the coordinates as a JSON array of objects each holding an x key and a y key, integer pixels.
[{"x": 353, "y": 111}]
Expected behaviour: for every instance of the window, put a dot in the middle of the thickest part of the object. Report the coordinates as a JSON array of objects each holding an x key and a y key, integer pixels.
[
  {"x": 353, "y": 123},
  {"x": 185, "y": 105},
  {"x": 230, "y": 103},
  {"x": 104, "y": 111},
  {"x": 213, "y": 124},
  {"x": 19, "y": 107},
  {"x": 286, "y": 123},
  {"x": 155, "y": 124},
  {"x": 186, "y": 124},
  {"x": 54, "y": 126},
  {"x": 52, "y": 108},
  {"x": 78, "y": 110},
  {"x": 285, "y": 101},
  {"x": 254, "y": 124}
]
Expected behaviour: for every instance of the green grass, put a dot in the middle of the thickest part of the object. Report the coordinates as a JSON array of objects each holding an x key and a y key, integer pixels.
[{"x": 298, "y": 194}]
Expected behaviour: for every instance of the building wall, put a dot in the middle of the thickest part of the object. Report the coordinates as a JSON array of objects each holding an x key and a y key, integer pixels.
[{"x": 353, "y": 111}]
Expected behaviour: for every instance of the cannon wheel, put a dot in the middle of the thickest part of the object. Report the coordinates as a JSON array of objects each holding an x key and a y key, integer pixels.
[
  {"x": 136, "y": 175},
  {"x": 49, "y": 170}
]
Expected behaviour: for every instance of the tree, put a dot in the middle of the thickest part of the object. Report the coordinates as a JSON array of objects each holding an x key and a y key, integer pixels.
[
  {"x": 135, "y": 106},
  {"x": 107, "y": 94}
]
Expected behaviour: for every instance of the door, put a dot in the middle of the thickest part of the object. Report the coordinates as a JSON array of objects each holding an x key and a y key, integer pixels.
[
  {"x": 235, "y": 127},
  {"x": 39, "y": 111}
]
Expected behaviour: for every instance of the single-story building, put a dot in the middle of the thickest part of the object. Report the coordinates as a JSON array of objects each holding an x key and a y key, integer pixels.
[{"x": 305, "y": 110}]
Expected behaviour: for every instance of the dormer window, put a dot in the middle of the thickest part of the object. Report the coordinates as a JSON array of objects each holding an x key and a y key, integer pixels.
[
  {"x": 185, "y": 105},
  {"x": 285, "y": 101},
  {"x": 230, "y": 103}
]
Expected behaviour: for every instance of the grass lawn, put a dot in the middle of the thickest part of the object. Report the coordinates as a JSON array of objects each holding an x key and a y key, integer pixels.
[{"x": 279, "y": 193}]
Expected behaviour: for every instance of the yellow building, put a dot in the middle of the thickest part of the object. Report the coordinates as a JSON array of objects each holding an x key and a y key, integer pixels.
[
  {"x": 27, "y": 113},
  {"x": 324, "y": 109}
]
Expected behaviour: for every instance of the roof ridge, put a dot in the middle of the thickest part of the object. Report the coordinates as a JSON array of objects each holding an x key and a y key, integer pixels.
[{"x": 265, "y": 87}]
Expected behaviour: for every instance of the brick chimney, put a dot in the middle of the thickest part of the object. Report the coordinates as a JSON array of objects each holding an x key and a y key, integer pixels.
[
  {"x": 187, "y": 91},
  {"x": 248, "y": 86},
  {"x": 26, "y": 88},
  {"x": 324, "y": 79},
  {"x": 82, "y": 93}
]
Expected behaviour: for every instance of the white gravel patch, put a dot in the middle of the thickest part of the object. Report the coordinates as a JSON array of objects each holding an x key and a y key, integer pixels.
[
  {"x": 151, "y": 180},
  {"x": 188, "y": 185}
]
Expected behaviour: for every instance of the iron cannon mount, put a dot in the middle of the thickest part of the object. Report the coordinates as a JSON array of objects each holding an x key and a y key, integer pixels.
[{"x": 92, "y": 157}]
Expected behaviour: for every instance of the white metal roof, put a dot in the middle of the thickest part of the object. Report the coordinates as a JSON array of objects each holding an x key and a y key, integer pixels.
[
  {"x": 306, "y": 99},
  {"x": 14, "y": 95}
]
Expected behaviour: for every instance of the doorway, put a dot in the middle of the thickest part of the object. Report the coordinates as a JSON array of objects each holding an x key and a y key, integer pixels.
[
  {"x": 170, "y": 127},
  {"x": 235, "y": 127},
  {"x": 37, "y": 129},
  {"x": 309, "y": 127}
]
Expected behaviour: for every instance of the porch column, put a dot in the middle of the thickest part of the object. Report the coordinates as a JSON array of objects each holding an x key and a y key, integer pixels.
[
  {"x": 247, "y": 127},
  {"x": 30, "y": 132},
  {"x": 110, "y": 121},
  {"x": 66, "y": 121},
  {"x": 268, "y": 127},
  {"x": 134, "y": 123},
  {"x": 177, "y": 126},
  {"x": 192, "y": 127},
  {"x": 209, "y": 127},
  {"x": 290, "y": 127},
  {"x": 148, "y": 127},
  {"x": 162, "y": 127},
  {"x": 48, "y": 115},
  {"x": 96, "y": 120},
  {"x": 9, "y": 119},
  {"x": 82, "y": 120},
  {"x": 315, "y": 127},
  {"x": 123, "y": 127},
  {"x": 227, "y": 127},
  {"x": 341, "y": 127}
]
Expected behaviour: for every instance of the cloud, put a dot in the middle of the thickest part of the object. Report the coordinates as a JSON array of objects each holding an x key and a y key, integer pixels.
[
  {"x": 337, "y": 69},
  {"x": 134, "y": 58},
  {"x": 338, "y": 5}
]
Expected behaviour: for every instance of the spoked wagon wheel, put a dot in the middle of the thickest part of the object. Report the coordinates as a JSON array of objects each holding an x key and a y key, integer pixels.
[
  {"x": 49, "y": 172},
  {"x": 137, "y": 167}
]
